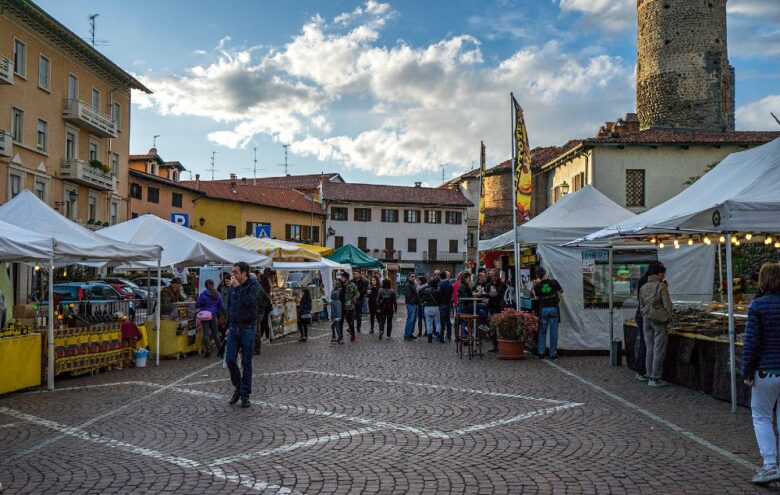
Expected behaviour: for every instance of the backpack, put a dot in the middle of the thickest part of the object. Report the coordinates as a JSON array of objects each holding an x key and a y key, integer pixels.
[
  {"x": 655, "y": 310},
  {"x": 385, "y": 301}
]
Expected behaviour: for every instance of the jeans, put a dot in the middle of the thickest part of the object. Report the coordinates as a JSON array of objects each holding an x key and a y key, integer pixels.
[
  {"x": 411, "y": 318},
  {"x": 640, "y": 350},
  {"x": 762, "y": 402},
  {"x": 432, "y": 320},
  {"x": 359, "y": 314},
  {"x": 303, "y": 327},
  {"x": 244, "y": 339},
  {"x": 337, "y": 330},
  {"x": 372, "y": 315},
  {"x": 655, "y": 341},
  {"x": 385, "y": 322},
  {"x": 446, "y": 323},
  {"x": 421, "y": 320},
  {"x": 549, "y": 320},
  {"x": 210, "y": 332}
]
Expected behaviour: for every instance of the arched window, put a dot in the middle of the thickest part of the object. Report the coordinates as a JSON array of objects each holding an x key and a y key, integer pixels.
[
  {"x": 153, "y": 169},
  {"x": 175, "y": 176}
]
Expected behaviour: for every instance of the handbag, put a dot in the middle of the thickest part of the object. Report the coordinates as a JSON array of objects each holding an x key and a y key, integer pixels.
[{"x": 655, "y": 311}]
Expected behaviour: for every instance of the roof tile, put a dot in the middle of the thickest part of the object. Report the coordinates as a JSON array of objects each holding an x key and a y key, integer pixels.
[
  {"x": 256, "y": 194},
  {"x": 376, "y": 193}
]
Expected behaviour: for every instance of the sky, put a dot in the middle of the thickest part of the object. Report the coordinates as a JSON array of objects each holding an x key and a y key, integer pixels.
[{"x": 392, "y": 92}]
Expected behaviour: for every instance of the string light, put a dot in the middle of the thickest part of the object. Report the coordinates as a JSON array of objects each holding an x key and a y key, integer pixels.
[
  {"x": 748, "y": 236},
  {"x": 37, "y": 267},
  {"x": 737, "y": 243},
  {"x": 707, "y": 241},
  {"x": 652, "y": 241},
  {"x": 777, "y": 245},
  {"x": 676, "y": 244},
  {"x": 768, "y": 240},
  {"x": 734, "y": 239},
  {"x": 723, "y": 239},
  {"x": 660, "y": 245},
  {"x": 65, "y": 273},
  {"x": 690, "y": 242}
]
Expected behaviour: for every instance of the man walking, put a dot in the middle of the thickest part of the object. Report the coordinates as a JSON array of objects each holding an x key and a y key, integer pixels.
[
  {"x": 548, "y": 292},
  {"x": 362, "y": 286},
  {"x": 410, "y": 297},
  {"x": 445, "y": 303},
  {"x": 241, "y": 322},
  {"x": 351, "y": 296}
]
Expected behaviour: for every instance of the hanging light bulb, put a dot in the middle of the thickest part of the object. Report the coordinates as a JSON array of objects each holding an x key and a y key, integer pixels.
[
  {"x": 653, "y": 240},
  {"x": 676, "y": 243},
  {"x": 777, "y": 245},
  {"x": 734, "y": 239},
  {"x": 690, "y": 242},
  {"x": 65, "y": 273},
  {"x": 723, "y": 239},
  {"x": 737, "y": 243},
  {"x": 660, "y": 245},
  {"x": 37, "y": 267},
  {"x": 707, "y": 241},
  {"x": 748, "y": 236},
  {"x": 768, "y": 240}
]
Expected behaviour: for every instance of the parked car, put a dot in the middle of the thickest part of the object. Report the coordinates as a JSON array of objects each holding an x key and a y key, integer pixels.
[
  {"x": 86, "y": 294},
  {"x": 151, "y": 283},
  {"x": 138, "y": 293}
]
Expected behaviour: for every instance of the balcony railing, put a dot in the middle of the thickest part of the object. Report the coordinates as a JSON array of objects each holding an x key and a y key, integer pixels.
[
  {"x": 89, "y": 117},
  {"x": 6, "y": 71},
  {"x": 80, "y": 171},
  {"x": 386, "y": 254},
  {"x": 443, "y": 256},
  {"x": 6, "y": 144}
]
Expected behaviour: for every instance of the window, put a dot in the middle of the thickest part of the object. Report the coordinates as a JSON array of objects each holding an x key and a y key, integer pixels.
[
  {"x": 44, "y": 73},
  {"x": 432, "y": 249},
  {"x": 175, "y": 176},
  {"x": 470, "y": 241},
  {"x": 231, "y": 232},
  {"x": 115, "y": 164},
  {"x": 113, "y": 213},
  {"x": 153, "y": 195},
  {"x": 579, "y": 181},
  {"x": 153, "y": 168},
  {"x": 95, "y": 99},
  {"x": 453, "y": 245},
  {"x": 15, "y": 186},
  {"x": 635, "y": 187},
  {"x": 17, "y": 125},
  {"x": 339, "y": 213},
  {"x": 92, "y": 208},
  {"x": 362, "y": 214},
  {"x": 94, "y": 151},
  {"x": 432, "y": 216},
  {"x": 133, "y": 215},
  {"x": 412, "y": 216},
  {"x": 136, "y": 191},
  {"x": 390, "y": 216},
  {"x": 315, "y": 235},
  {"x": 454, "y": 218},
  {"x": 557, "y": 194},
  {"x": 42, "y": 135},
  {"x": 20, "y": 58},
  {"x": 116, "y": 113},
  {"x": 389, "y": 244},
  {"x": 40, "y": 189},
  {"x": 176, "y": 200},
  {"x": 73, "y": 87},
  {"x": 411, "y": 245},
  {"x": 70, "y": 205},
  {"x": 363, "y": 243},
  {"x": 70, "y": 145},
  {"x": 339, "y": 240},
  {"x": 293, "y": 232}
]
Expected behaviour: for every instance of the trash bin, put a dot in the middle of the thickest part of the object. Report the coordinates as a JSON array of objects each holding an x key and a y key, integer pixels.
[
  {"x": 141, "y": 355},
  {"x": 615, "y": 353}
]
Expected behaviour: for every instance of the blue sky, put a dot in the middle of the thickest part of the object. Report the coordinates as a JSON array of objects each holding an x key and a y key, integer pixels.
[{"x": 388, "y": 92}]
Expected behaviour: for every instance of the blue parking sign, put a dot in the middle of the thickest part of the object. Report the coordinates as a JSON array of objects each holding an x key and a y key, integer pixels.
[
  {"x": 182, "y": 219},
  {"x": 263, "y": 231}
]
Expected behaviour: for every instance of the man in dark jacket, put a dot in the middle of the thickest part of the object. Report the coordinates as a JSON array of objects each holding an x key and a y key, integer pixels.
[
  {"x": 445, "y": 303},
  {"x": 410, "y": 297},
  {"x": 241, "y": 322},
  {"x": 362, "y": 285}
]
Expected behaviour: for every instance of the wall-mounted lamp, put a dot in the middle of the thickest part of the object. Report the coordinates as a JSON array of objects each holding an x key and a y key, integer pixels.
[
  {"x": 201, "y": 221},
  {"x": 565, "y": 188},
  {"x": 331, "y": 232},
  {"x": 72, "y": 196}
]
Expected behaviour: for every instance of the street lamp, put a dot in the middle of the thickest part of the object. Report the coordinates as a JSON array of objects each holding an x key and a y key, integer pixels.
[
  {"x": 565, "y": 188},
  {"x": 331, "y": 232},
  {"x": 72, "y": 195}
]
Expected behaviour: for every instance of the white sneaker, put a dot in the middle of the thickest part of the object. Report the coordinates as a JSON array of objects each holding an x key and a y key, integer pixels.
[
  {"x": 657, "y": 383},
  {"x": 766, "y": 474}
]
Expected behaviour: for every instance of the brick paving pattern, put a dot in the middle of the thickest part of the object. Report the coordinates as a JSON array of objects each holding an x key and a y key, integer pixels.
[{"x": 374, "y": 417}]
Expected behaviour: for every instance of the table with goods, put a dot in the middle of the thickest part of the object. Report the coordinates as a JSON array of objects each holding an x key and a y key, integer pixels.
[
  {"x": 178, "y": 330},
  {"x": 697, "y": 355},
  {"x": 284, "y": 313}
]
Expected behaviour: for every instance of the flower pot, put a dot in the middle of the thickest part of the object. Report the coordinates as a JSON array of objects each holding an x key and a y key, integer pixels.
[{"x": 510, "y": 349}]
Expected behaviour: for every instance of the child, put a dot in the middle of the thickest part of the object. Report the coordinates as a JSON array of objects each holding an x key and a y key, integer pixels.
[
  {"x": 336, "y": 330},
  {"x": 304, "y": 315}
]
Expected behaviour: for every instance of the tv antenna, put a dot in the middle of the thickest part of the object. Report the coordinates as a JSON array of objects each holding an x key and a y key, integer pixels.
[
  {"x": 212, "y": 169},
  {"x": 775, "y": 117},
  {"x": 154, "y": 140},
  {"x": 443, "y": 172},
  {"x": 92, "y": 31},
  {"x": 255, "y": 169},
  {"x": 285, "y": 164}
]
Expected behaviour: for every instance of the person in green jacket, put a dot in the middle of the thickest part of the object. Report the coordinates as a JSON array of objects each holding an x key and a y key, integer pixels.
[{"x": 351, "y": 296}]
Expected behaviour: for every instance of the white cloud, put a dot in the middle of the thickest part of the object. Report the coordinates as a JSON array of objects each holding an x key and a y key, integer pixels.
[
  {"x": 415, "y": 106},
  {"x": 756, "y": 115},
  {"x": 609, "y": 15},
  {"x": 754, "y": 28}
]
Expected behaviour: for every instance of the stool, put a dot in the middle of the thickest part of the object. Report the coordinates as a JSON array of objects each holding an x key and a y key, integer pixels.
[
  {"x": 471, "y": 334},
  {"x": 456, "y": 326}
]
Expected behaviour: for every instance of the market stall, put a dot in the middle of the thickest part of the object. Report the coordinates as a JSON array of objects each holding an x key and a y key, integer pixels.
[
  {"x": 275, "y": 249},
  {"x": 350, "y": 255},
  {"x": 736, "y": 202},
  {"x": 73, "y": 244},
  {"x": 182, "y": 247},
  {"x": 585, "y": 309}
]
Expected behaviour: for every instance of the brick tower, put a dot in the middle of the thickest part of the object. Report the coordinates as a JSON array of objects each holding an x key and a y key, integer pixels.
[{"x": 683, "y": 76}]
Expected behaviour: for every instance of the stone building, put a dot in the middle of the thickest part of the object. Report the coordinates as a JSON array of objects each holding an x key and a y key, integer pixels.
[{"x": 683, "y": 76}]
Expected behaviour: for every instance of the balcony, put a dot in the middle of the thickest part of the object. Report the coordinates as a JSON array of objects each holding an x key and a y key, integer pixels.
[
  {"x": 444, "y": 256},
  {"x": 386, "y": 254},
  {"x": 6, "y": 144},
  {"x": 90, "y": 118},
  {"x": 6, "y": 71},
  {"x": 80, "y": 171}
]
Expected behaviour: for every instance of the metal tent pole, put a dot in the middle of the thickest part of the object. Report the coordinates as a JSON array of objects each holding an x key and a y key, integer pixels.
[
  {"x": 730, "y": 295},
  {"x": 720, "y": 275},
  {"x": 50, "y": 330},
  {"x": 612, "y": 357},
  {"x": 157, "y": 313}
]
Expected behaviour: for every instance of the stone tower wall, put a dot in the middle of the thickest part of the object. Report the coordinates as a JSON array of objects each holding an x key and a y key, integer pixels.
[{"x": 684, "y": 79}]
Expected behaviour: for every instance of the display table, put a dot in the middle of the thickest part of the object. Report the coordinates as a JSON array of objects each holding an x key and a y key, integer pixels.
[
  {"x": 86, "y": 349},
  {"x": 695, "y": 361},
  {"x": 177, "y": 333},
  {"x": 20, "y": 362}
]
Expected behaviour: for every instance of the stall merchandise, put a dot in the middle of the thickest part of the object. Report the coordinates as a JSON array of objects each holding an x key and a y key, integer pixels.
[
  {"x": 178, "y": 334},
  {"x": 329, "y": 271},
  {"x": 284, "y": 315}
]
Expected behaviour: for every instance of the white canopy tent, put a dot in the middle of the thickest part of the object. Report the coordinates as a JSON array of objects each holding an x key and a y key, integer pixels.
[
  {"x": 71, "y": 243},
  {"x": 574, "y": 216},
  {"x": 738, "y": 195},
  {"x": 325, "y": 266}
]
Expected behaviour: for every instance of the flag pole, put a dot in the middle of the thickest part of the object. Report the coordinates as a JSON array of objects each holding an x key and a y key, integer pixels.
[
  {"x": 514, "y": 200},
  {"x": 479, "y": 206}
]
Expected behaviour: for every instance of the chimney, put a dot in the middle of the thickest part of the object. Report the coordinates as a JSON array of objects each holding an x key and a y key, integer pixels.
[
  {"x": 233, "y": 185},
  {"x": 243, "y": 180},
  {"x": 233, "y": 177},
  {"x": 418, "y": 184},
  {"x": 197, "y": 181}
]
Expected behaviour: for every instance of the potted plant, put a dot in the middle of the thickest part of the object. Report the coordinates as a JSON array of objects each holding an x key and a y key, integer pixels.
[
  {"x": 96, "y": 164},
  {"x": 106, "y": 168},
  {"x": 514, "y": 329}
]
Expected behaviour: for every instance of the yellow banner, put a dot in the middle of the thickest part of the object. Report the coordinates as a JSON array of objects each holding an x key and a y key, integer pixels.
[
  {"x": 523, "y": 179},
  {"x": 482, "y": 185}
]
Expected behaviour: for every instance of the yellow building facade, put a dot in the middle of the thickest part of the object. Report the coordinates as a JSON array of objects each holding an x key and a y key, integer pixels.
[{"x": 64, "y": 118}]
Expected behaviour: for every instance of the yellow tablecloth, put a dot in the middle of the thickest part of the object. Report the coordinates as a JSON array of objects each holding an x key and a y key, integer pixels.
[{"x": 20, "y": 362}]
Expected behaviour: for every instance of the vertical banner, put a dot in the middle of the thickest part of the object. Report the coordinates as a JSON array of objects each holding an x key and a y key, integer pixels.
[
  {"x": 482, "y": 170},
  {"x": 523, "y": 181}
]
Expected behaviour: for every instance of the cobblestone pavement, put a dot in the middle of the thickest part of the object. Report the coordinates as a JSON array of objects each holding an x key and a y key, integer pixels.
[{"x": 374, "y": 417}]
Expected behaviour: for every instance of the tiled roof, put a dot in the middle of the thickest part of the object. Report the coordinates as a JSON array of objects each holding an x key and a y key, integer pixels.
[
  {"x": 174, "y": 164},
  {"x": 665, "y": 136},
  {"x": 309, "y": 181},
  {"x": 161, "y": 180},
  {"x": 255, "y": 194},
  {"x": 151, "y": 155},
  {"x": 376, "y": 193}
]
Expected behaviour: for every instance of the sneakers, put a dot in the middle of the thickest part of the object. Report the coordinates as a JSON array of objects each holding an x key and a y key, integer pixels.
[
  {"x": 766, "y": 474},
  {"x": 641, "y": 378},
  {"x": 657, "y": 383}
]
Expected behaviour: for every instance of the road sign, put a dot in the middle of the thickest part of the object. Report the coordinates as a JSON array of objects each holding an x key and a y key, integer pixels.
[
  {"x": 263, "y": 231},
  {"x": 182, "y": 219}
]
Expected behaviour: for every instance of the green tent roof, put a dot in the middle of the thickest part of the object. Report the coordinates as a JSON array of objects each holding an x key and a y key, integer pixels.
[{"x": 353, "y": 256}]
